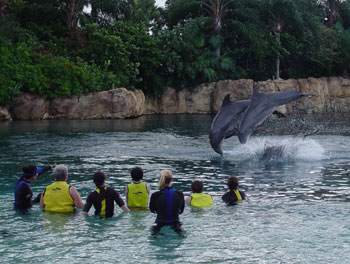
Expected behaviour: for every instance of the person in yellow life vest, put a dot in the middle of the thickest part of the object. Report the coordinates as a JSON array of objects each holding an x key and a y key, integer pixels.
[
  {"x": 137, "y": 192},
  {"x": 233, "y": 196},
  {"x": 59, "y": 197},
  {"x": 103, "y": 198},
  {"x": 198, "y": 199}
]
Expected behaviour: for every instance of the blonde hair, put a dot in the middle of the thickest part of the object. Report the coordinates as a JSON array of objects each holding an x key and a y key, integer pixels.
[{"x": 165, "y": 179}]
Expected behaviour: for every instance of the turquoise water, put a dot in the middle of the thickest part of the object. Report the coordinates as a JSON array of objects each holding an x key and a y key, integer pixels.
[{"x": 297, "y": 209}]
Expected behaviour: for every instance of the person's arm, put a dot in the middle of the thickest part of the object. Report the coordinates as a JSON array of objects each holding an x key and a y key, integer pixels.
[
  {"x": 76, "y": 197},
  {"x": 188, "y": 199},
  {"x": 148, "y": 187},
  {"x": 152, "y": 203},
  {"x": 182, "y": 207},
  {"x": 42, "y": 200},
  {"x": 119, "y": 201},
  {"x": 47, "y": 168},
  {"x": 242, "y": 195},
  {"x": 87, "y": 205},
  {"x": 126, "y": 194}
]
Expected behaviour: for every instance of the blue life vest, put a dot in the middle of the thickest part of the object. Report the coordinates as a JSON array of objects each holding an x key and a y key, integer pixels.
[
  {"x": 16, "y": 188},
  {"x": 169, "y": 196}
]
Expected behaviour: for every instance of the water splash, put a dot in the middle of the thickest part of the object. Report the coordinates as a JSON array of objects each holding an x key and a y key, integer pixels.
[{"x": 279, "y": 148}]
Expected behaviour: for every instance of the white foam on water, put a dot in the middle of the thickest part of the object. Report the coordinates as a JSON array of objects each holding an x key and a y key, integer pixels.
[{"x": 295, "y": 148}]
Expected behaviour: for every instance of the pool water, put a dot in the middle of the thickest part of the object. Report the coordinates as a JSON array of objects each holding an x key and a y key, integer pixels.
[{"x": 297, "y": 210}]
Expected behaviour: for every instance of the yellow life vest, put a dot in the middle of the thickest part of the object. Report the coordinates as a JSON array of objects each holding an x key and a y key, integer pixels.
[
  {"x": 57, "y": 198},
  {"x": 103, "y": 203},
  {"x": 201, "y": 200},
  {"x": 137, "y": 195},
  {"x": 239, "y": 197}
]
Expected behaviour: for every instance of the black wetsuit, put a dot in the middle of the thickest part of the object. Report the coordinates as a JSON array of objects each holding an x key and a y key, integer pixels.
[
  {"x": 167, "y": 207},
  {"x": 95, "y": 199},
  {"x": 230, "y": 197},
  {"x": 23, "y": 195}
]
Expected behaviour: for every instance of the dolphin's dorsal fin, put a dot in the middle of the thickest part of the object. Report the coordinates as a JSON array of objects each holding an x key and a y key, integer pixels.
[
  {"x": 256, "y": 93},
  {"x": 226, "y": 100}
]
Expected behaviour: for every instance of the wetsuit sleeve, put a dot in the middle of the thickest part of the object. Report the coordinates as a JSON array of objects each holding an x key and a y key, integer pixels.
[
  {"x": 229, "y": 198},
  {"x": 242, "y": 195},
  {"x": 182, "y": 201},
  {"x": 117, "y": 199},
  {"x": 152, "y": 203},
  {"x": 88, "y": 203},
  {"x": 45, "y": 169},
  {"x": 24, "y": 197}
]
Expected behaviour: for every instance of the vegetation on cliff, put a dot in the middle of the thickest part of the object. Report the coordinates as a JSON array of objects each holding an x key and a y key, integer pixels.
[{"x": 70, "y": 47}]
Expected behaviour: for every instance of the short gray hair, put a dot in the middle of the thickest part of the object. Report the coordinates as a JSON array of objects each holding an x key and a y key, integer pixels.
[{"x": 60, "y": 172}]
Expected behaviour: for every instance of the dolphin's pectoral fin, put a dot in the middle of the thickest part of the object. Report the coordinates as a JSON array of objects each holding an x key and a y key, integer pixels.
[
  {"x": 230, "y": 134},
  {"x": 278, "y": 114}
]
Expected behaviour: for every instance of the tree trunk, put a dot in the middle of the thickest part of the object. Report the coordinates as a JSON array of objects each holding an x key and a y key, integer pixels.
[{"x": 278, "y": 38}]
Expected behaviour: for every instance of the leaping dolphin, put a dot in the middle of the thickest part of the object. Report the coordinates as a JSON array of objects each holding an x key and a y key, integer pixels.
[
  {"x": 261, "y": 106},
  {"x": 226, "y": 122}
]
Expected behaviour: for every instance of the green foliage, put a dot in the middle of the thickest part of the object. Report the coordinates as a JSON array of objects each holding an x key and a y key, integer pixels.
[
  {"x": 133, "y": 44},
  {"x": 24, "y": 70}
]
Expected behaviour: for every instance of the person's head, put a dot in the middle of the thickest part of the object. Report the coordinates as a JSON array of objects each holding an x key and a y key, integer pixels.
[
  {"x": 197, "y": 187},
  {"x": 165, "y": 179},
  {"x": 99, "y": 179},
  {"x": 31, "y": 172},
  {"x": 136, "y": 174},
  {"x": 232, "y": 183},
  {"x": 60, "y": 173}
]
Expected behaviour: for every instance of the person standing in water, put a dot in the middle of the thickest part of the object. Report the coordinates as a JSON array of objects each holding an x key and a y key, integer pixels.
[
  {"x": 167, "y": 203},
  {"x": 60, "y": 197},
  {"x": 198, "y": 199},
  {"x": 103, "y": 198},
  {"x": 137, "y": 192},
  {"x": 233, "y": 196},
  {"x": 23, "y": 193}
]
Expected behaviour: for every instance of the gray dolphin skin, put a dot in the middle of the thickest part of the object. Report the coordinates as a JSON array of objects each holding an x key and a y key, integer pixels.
[
  {"x": 261, "y": 106},
  {"x": 226, "y": 122}
]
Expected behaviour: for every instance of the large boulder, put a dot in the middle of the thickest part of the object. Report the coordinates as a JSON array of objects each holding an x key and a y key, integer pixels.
[
  {"x": 5, "y": 114},
  {"x": 30, "y": 107},
  {"x": 115, "y": 103}
]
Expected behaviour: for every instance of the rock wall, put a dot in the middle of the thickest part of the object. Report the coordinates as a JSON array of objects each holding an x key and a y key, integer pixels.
[
  {"x": 115, "y": 103},
  {"x": 329, "y": 95}
]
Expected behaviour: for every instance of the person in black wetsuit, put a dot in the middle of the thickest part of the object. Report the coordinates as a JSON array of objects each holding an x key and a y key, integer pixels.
[
  {"x": 167, "y": 203},
  {"x": 103, "y": 198},
  {"x": 23, "y": 192},
  {"x": 233, "y": 196}
]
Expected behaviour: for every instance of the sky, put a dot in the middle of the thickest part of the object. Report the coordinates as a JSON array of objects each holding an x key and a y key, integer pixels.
[{"x": 160, "y": 2}]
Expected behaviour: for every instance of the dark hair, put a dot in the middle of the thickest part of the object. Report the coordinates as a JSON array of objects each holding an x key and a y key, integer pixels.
[
  {"x": 232, "y": 183},
  {"x": 29, "y": 171},
  {"x": 197, "y": 186},
  {"x": 99, "y": 178},
  {"x": 136, "y": 173}
]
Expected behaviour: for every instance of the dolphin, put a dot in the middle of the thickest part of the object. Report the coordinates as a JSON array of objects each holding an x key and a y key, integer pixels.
[
  {"x": 226, "y": 122},
  {"x": 261, "y": 106}
]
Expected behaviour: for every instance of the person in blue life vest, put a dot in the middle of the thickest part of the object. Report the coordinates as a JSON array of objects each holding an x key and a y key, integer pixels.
[
  {"x": 167, "y": 203},
  {"x": 233, "y": 196},
  {"x": 23, "y": 193},
  {"x": 60, "y": 197},
  {"x": 103, "y": 198},
  {"x": 198, "y": 199},
  {"x": 137, "y": 192}
]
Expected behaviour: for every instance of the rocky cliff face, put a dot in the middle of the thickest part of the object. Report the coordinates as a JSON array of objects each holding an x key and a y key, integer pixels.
[{"x": 329, "y": 95}]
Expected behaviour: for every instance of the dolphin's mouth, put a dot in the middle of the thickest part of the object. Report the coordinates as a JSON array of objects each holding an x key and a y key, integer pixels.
[{"x": 243, "y": 138}]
